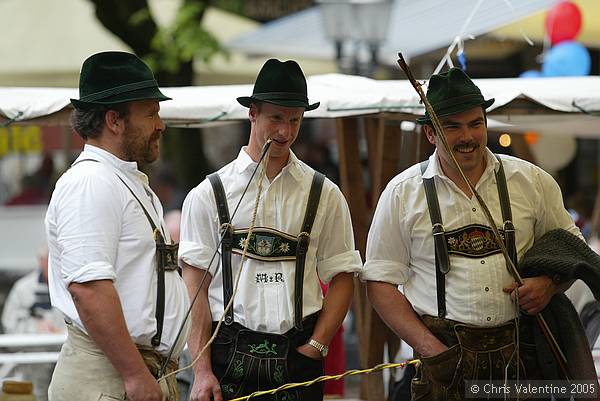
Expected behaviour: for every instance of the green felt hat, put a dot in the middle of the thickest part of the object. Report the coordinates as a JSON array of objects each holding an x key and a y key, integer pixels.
[
  {"x": 280, "y": 83},
  {"x": 453, "y": 92},
  {"x": 115, "y": 77}
]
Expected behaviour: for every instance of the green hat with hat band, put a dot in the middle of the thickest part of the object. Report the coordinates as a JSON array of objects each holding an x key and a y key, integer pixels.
[
  {"x": 280, "y": 83},
  {"x": 115, "y": 77},
  {"x": 453, "y": 92}
]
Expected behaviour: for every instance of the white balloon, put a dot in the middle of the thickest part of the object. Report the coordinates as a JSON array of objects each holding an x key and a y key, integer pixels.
[{"x": 553, "y": 153}]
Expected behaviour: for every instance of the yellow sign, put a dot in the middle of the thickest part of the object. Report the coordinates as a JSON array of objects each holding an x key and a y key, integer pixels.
[{"x": 19, "y": 139}]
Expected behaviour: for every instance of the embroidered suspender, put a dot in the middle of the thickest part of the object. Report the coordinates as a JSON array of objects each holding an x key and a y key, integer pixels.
[
  {"x": 166, "y": 260},
  {"x": 301, "y": 248},
  {"x": 442, "y": 258}
]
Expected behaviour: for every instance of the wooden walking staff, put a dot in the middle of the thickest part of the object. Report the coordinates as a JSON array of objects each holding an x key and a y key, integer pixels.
[{"x": 439, "y": 132}]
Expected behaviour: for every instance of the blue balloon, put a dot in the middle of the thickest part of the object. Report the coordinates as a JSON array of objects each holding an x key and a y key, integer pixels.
[
  {"x": 531, "y": 74},
  {"x": 567, "y": 59}
]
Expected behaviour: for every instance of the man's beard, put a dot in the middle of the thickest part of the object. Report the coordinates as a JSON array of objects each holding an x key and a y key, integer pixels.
[{"x": 137, "y": 150}]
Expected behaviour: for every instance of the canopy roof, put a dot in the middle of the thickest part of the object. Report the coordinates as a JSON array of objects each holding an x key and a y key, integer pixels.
[
  {"x": 434, "y": 22},
  {"x": 549, "y": 105}
]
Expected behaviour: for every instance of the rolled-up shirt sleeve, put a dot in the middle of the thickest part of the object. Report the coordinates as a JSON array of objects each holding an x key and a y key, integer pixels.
[
  {"x": 89, "y": 230},
  {"x": 388, "y": 252},
  {"x": 336, "y": 252},
  {"x": 199, "y": 229},
  {"x": 553, "y": 215}
]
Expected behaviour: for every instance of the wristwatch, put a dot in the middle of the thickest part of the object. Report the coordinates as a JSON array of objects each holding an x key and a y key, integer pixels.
[{"x": 322, "y": 348}]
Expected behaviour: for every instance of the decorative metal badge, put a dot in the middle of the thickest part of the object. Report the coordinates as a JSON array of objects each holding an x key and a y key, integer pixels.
[
  {"x": 473, "y": 241},
  {"x": 265, "y": 244}
]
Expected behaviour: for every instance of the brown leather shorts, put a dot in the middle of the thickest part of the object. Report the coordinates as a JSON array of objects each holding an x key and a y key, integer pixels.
[{"x": 474, "y": 353}]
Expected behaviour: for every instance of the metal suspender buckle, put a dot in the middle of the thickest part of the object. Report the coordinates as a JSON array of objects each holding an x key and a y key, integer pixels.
[
  {"x": 438, "y": 229},
  {"x": 303, "y": 242}
]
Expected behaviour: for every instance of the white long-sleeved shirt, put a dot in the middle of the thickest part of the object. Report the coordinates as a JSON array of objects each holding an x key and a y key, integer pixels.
[
  {"x": 400, "y": 248},
  {"x": 264, "y": 301},
  {"x": 97, "y": 230}
]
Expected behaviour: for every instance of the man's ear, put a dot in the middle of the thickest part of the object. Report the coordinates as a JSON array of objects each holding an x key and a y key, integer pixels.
[
  {"x": 429, "y": 133},
  {"x": 252, "y": 112},
  {"x": 113, "y": 122}
]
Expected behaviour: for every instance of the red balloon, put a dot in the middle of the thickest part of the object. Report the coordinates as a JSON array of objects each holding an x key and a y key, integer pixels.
[{"x": 563, "y": 22}]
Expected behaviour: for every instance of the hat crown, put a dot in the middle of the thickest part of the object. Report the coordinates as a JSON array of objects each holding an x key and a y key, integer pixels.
[
  {"x": 449, "y": 85},
  {"x": 280, "y": 77},
  {"x": 281, "y": 83},
  {"x": 453, "y": 92},
  {"x": 107, "y": 70},
  {"x": 115, "y": 77}
]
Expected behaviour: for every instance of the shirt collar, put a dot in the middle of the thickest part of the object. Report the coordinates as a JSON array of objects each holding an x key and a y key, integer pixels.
[
  {"x": 102, "y": 155},
  {"x": 244, "y": 162},
  {"x": 435, "y": 167}
]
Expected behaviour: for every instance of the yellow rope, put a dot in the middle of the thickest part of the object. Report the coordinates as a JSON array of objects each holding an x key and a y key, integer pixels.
[
  {"x": 261, "y": 177},
  {"x": 319, "y": 379}
]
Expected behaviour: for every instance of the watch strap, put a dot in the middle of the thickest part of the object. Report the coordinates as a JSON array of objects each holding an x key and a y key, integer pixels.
[{"x": 322, "y": 348}]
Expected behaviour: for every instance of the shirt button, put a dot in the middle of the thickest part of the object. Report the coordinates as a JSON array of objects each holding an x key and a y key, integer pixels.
[
  {"x": 483, "y": 262},
  {"x": 489, "y": 318},
  {"x": 487, "y": 289},
  {"x": 474, "y": 209}
]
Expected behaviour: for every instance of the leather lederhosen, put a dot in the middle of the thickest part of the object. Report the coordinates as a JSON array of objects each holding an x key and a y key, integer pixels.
[
  {"x": 245, "y": 360},
  {"x": 474, "y": 353}
]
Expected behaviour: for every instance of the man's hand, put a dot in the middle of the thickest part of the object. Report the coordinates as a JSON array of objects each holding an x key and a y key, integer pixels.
[
  {"x": 309, "y": 351},
  {"x": 205, "y": 386},
  {"x": 534, "y": 294},
  {"x": 142, "y": 387}
]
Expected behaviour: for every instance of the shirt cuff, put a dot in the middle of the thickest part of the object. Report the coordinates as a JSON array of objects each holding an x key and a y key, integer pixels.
[
  {"x": 91, "y": 272},
  {"x": 385, "y": 270},
  {"x": 198, "y": 256},
  {"x": 347, "y": 262}
]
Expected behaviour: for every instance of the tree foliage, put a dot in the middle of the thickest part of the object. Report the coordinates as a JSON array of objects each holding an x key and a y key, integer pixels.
[{"x": 170, "y": 51}]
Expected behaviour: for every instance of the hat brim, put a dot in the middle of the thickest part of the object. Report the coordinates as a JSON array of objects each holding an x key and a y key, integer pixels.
[
  {"x": 455, "y": 109},
  {"x": 246, "y": 101},
  {"x": 152, "y": 93}
]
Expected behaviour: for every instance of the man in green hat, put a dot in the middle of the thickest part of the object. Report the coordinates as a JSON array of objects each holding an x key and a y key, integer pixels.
[
  {"x": 278, "y": 327},
  {"x": 107, "y": 241},
  {"x": 430, "y": 237}
]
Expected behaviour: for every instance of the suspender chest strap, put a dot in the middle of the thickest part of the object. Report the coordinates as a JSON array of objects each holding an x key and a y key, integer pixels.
[
  {"x": 303, "y": 241},
  {"x": 226, "y": 231},
  {"x": 442, "y": 259},
  {"x": 166, "y": 260}
]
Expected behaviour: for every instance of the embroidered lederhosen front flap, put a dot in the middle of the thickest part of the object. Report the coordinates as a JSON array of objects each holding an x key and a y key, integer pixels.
[
  {"x": 473, "y": 241},
  {"x": 266, "y": 244}
]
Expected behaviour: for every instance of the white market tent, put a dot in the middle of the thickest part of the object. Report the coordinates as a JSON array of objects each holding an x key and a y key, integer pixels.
[{"x": 561, "y": 106}]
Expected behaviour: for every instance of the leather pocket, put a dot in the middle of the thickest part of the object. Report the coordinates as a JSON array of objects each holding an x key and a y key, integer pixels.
[{"x": 441, "y": 368}]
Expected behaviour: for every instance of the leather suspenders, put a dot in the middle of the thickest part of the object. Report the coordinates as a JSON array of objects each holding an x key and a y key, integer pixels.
[
  {"x": 303, "y": 242},
  {"x": 442, "y": 258},
  {"x": 226, "y": 243}
]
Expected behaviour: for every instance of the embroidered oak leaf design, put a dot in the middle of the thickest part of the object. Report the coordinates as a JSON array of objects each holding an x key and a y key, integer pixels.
[
  {"x": 238, "y": 370},
  {"x": 278, "y": 375}
]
